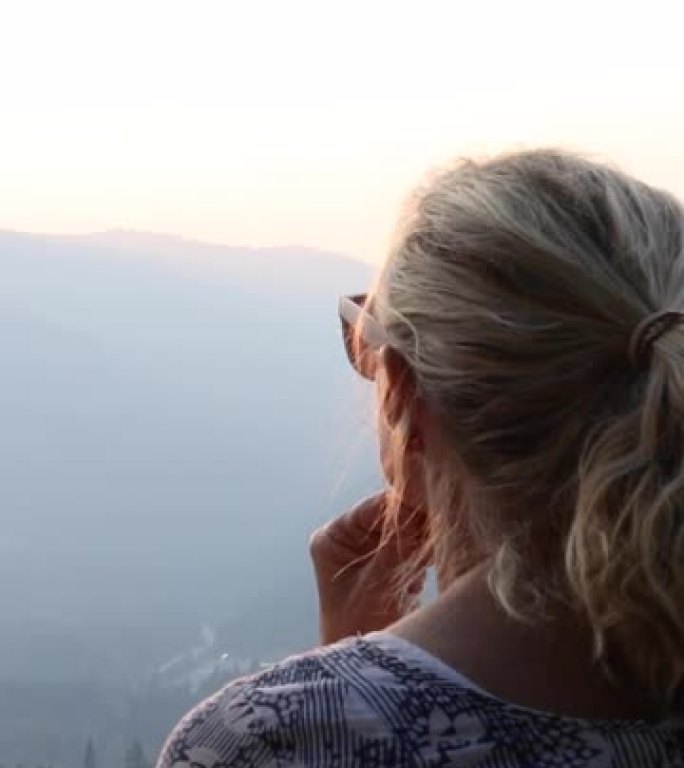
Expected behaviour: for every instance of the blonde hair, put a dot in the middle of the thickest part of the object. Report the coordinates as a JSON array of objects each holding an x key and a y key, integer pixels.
[{"x": 512, "y": 290}]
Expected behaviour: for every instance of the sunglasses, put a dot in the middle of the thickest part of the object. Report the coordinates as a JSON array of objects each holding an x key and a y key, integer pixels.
[{"x": 363, "y": 335}]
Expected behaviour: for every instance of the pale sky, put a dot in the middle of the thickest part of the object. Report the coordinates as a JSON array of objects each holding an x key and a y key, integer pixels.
[{"x": 293, "y": 122}]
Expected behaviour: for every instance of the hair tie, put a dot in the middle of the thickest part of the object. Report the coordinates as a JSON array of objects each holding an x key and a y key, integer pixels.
[{"x": 648, "y": 330}]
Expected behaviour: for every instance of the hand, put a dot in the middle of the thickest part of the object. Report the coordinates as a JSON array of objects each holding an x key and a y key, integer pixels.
[{"x": 356, "y": 577}]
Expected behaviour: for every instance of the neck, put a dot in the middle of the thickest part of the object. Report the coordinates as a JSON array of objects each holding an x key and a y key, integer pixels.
[{"x": 548, "y": 665}]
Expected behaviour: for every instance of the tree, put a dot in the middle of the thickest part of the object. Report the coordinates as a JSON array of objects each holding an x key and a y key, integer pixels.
[
  {"x": 135, "y": 756},
  {"x": 90, "y": 758}
]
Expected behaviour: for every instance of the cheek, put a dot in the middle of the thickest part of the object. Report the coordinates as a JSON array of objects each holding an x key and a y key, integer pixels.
[
  {"x": 385, "y": 443},
  {"x": 384, "y": 437}
]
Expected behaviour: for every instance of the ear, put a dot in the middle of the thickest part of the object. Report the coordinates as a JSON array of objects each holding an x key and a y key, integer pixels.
[{"x": 400, "y": 386}]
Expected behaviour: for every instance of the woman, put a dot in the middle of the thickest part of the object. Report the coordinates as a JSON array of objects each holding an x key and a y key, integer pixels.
[{"x": 527, "y": 345}]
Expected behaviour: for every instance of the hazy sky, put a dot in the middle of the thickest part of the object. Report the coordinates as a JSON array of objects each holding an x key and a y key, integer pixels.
[{"x": 307, "y": 122}]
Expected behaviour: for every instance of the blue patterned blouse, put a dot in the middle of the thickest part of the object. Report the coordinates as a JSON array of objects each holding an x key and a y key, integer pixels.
[{"x": 380, "y": 701}]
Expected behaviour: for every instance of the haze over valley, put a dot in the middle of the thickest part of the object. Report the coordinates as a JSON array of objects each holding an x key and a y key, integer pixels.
[{"x": 177, "y": 418}]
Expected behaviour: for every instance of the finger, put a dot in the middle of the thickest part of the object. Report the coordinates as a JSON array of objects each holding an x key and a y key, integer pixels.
[
  {"x": 383, "y": 515},
  {"x": 405, "y": 516},
  {"x": 367, "y": 516},
  {"x": 378, "y": 527},
  {"x": 360, "y": 527}
]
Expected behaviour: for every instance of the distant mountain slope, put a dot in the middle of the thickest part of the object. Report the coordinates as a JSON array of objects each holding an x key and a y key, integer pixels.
[{"x": 176, "y": 418}]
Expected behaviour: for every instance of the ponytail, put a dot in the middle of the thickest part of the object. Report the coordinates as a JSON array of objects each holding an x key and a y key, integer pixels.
[{"x": 625, "y": 549}]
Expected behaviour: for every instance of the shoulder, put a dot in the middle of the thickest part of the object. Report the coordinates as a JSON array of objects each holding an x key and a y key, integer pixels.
[
  {"x": 377, "y": 702},
  {"x": 357, "y": 702},
  {"x": 266, "y": 717},
  {"x": 366, "y": 703}
]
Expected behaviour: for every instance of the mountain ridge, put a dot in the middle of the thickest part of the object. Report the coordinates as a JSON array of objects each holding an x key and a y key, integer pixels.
[{"x": 121, "y": 237}]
